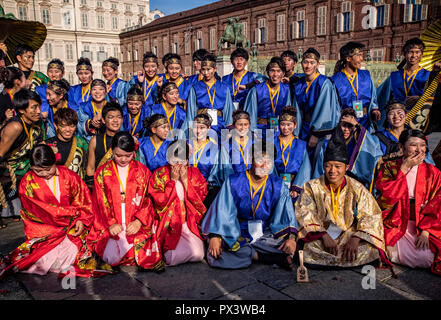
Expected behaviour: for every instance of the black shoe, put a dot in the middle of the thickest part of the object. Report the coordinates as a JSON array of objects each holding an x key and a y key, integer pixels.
[{"x": 282, "y": 260}]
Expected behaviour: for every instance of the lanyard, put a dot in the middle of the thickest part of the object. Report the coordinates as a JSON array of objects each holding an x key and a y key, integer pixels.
[
  {"x": 63, "y": 107},
  {"x": 411, "y": 77},
  {"x": 242, "y": 150},
  {"x": 177, "y": 82},
  {"x": 308, "y": 84},
  {"x": 147, "y": 93},
  {"x": 111, "y": 82},
  {"x": 29, "y": 133},
  {"x": 236, "y": 83},
  {"x": 95, "y": 111},
  {"x": 283, "y": 148},
  {"x": 201, "y": 149},
  {"x": 84, "y": 93},
  {"x": 135, "y": 122},
  {"x": 253, "y": 194},
  {"x": 351, "y": 81},
  {"x": 273, "y": 94},
  {"x": 335, "y": 206},
  {"x": 55, "y": 186},
  {"x": 214, "y": 93},
  {"x": 10, "y": 94},
  {"x": 123, "y": 188},
  {"x": 105, "y": 144},
  {"x": 169, "y": 116},
  {"x": 156, "y": 147}
]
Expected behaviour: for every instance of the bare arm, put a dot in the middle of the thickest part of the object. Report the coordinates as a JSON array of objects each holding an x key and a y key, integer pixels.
[
  {"x": 90, "y": 169},
  {"x": 9, "y": 134}
]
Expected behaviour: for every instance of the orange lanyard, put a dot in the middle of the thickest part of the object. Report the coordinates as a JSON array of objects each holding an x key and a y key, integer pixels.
[
  {"x": 242, "y": 148},
  {"x": 111, "y": 83},
  {"x": 273, "y": 94},
  {"x": 151, "y": 83},
  {"x": 135, "y": 122},
  {"x": 95, "y": 111},
  {"x": 308, "y": 84},
  {"x": 123, "y": 188},
  {"x": 10, "y": 94},
  {"x": 169, "y": 116},
  {"x": 335, "y": 205},
  {"x": 236, "y": 83},
  {"x": 351, "y": 81},
  {"x": 196, "y": 151},
  {"x": 156, "y": 147},
  {"x": 214, "y": 93},
  {"x": 283, "y": 148},
  {"x": 84, "y": 93},
  {"x": 410, "y": 76},
  {"x": 253, "y": 192}
]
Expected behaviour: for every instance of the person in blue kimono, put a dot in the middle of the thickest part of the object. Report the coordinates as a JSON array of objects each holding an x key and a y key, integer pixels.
[
  {"x": 81, "y": 92},
  {"x": 241, "y": 81},
  {"x": 290, "y": 59},
  {"x": 147, "y": 79},
  {"x": 407, "y": 84},
  {"x": 363, "y": 149},
  {"x": 291, "y": 160},
  {"x": 355, "y": 87},
  {"x": 198, "y": 56},
  {"x": 237, "y": 148},
  {"x": 205, "y": 155},
  {"x": 55, "y": 71},
  {"x": 266, "y": 100},
  {"x": 135, "y": 111},
  {"x": 210, "y": 96},
  {"x": 173, "y": 65},
  {"x": 154, "y": 147},
  {"x": 89, "y": 113},
  {"x": 252, "y": 218},
  {"x": 116, "y": 88},
  {"x": 317, "y": 101},
  {"x": 168, "y": 99},
  {"x": 57, "y": 98}
]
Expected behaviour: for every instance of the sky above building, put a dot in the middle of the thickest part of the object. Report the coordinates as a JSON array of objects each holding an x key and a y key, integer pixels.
[{"x": 173, "y": 6}]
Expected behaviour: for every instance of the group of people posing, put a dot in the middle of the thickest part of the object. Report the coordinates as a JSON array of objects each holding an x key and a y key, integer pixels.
[{"x": 168, "y": 168}]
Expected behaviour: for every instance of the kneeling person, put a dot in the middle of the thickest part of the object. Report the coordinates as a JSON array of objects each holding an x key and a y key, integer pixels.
[{"x": 252, "y": 218}]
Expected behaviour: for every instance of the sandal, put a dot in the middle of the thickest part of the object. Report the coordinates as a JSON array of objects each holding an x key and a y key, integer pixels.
[
  {"x": 16, "y": 219},
  {"x": 2, "y": 224},
  {"x": 282, "y": 260}
]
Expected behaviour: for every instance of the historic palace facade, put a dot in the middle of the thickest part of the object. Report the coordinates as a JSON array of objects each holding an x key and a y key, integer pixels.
[{"x": 274, "y": 26}]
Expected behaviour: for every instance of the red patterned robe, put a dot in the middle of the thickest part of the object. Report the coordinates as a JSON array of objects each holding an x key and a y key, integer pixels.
[
  {"x": 47, "y": 221},
  {"x": 107, "y": 208},
  {"x": 169, "y": 216},
  {"x": 395, "y": 204}
]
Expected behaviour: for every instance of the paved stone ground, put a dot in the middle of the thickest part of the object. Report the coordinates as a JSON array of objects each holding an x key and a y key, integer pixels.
[{"x": 197, "y": 281}]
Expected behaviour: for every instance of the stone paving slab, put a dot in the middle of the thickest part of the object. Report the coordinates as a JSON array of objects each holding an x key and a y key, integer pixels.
[
  {"x": 420, "y": 283},
  {"x": 255, "y": 291}
]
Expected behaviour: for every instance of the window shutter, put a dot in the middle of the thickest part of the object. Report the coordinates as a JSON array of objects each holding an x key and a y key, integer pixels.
[
  {"x": 352, "y": 21},
  {"x": 424, "y": 12},
  {"x": 257, "y": 35},
  {"x": 306, "y": 29},
  {"x": 295, "y": 30},
  {"x": 407, "y": 13},
  {"x": 386, "y": 14},
  {"x": 340, "y": 22}
]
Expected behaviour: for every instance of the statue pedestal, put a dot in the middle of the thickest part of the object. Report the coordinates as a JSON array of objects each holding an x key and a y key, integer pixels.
[{"x": 224, "y": 65}]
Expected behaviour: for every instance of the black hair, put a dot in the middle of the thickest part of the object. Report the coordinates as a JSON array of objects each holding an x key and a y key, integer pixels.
[
  {"x": 98, "y": 82},
  {"x": 348, "y": 112},
  {"x": 112, "y": 60},
  {"x": 290, "y": 54},
  {"x": 292, "y": 111},
  {"x": 22, "y": 49},
  {"x": 2, "y": 55},
  {"x": 84, "y": 61},
  {"x": 57, "y": 61},
  {"x": 62, "y": 83},
  {"x": 135, "y": 90},
  {"x": 42, "y": 156},
  {"x": 237, "y": 113},
  {"x": 412, "y": 43},
  {"x": 8, "y": 75},
  {"x": 313, "y": 51},
  {"x": 394, "y": 102},
  {"x": 22, "y": 97},
  {"x": 124, "y": 141},
  {"x": 67, "y": 115},
  {"x": 239, "y": 53},
  {"x": 163, "y": 90},
  {"x": 204, "y": 116},
  {"x": 345, "y": 52},
  {"x": 178, "y": 149},
  {"x": 111, "y": 106},
  {"x": 277, "y": 60},
  {"x": 198, "y": 55},
  {"x": 147, "y": 123},
  {"x": 148, "y": 55},
  {"x": 209, "y": 57},
  {"x": 411, "y": 133},
  {"x": 166, "y": 57},
  {"x": 171, "y": 56}
]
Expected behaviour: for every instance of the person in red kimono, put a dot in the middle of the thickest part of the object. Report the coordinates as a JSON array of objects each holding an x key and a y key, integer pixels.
[
  {"x": 57, "y": 214},
  {"x": 410, "y": 198},
  {"x": 178, "y": 191},
  {"x": 121, "y": 206}
]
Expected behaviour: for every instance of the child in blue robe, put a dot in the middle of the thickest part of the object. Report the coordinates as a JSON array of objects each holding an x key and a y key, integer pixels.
[
  {"x": 116, "y": 88},
  {"x": 81, "y": 92}
]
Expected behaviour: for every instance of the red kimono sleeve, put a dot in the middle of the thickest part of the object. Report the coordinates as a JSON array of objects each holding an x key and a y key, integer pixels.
[
  {"x": 104, "y": 215},
  {"x": 82, "y": 200},
  {"x": 145, "y": 213},
  {"x": 196, "y": 193}
]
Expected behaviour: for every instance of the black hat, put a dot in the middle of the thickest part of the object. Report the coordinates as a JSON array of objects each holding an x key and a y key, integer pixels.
[{"x": 336, "y": 149}]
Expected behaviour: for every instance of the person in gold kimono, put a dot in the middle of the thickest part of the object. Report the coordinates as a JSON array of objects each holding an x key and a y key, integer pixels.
[{"x": 340, "y": 222}]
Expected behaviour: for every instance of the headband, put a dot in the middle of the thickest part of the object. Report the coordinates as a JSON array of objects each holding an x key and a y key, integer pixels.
[
  {"x": 203, "y": 120},
  {"x": 55, "y": 65},
  {"x": 311, "y": 55},
  {"x": 287, "y": 117},
  {"x": 151, "y": 59},
  {"x": 110, "y": 64},
  {"x": 173, "y": 61},
  {"x": 274, "y": 64},
  {"x": 84, "y": 67},
  {"x": 56, "y": 89},
  {"x": 135, "y": 97},
  {"x": 208, "y": 63},
  {"x": 394, "y": 106},
  {"x": 159, "y": 122},
  {"x": 241, "y": 115},
  {"x": 98, "y": 83}
]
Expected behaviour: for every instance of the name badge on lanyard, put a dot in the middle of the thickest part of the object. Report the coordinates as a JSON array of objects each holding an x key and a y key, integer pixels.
[
  {"x": 213, "y": 115},
  {"x": 334, "y": 231},
  {"x": 255, "y": 228},
  {"x": 274, "y": 124},
  {"x": 236, "y": 105},
  {"x": 286, "y": 179},
  {"x": 358, "y": 107}
]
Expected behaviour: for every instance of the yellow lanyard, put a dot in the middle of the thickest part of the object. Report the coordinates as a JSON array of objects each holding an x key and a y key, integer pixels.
[
  {"x": 253, "y": 192},
  {"x": 410, "y": 76},
  {"x": 95, "y": 111},
  {"x": 236, "y": 83},
  {"x": 135, "y": 122},
  {"x": 398, "y": 138},
  {"x": 273, "y": 94},
  {"x": 111, "y": 83},
  {"x": 156, "y": 147},
  {"x": 214, "y": 93},
  {"x": 55, "y": 186},
  {"x": 242, "y": 150},
  {"x": 105, "y": 144},
  {"x": 28, "y": 133},
  {"x": 201, "y": 149},
  {"x": 177, "y": 82},
  {"x": 63, "y": 107},
  {"x": 84, "y": 93},
  {"x": 200, "y": 77},
  {"x": 351, "y": 81},
  {"x": 169, "y": 116},
  {"x": 123, "y": 188},
  {"x": 283, "y": 148},
  {"x": 151, "y": 83},
  {"x": 335, "y": 206},
  {"x": 10, "y": 94},
  {"x": 308, "y": 84}
]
